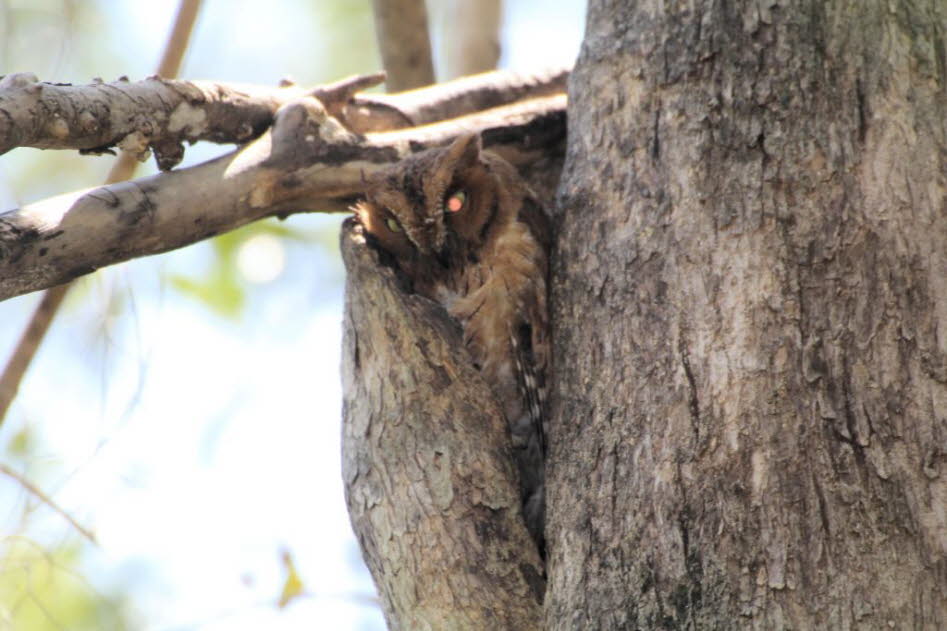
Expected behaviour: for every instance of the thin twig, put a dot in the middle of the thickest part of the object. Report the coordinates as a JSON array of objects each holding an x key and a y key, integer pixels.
[
  {"x": 122, "y": 169},
  {"x": 36, "y": 491}
]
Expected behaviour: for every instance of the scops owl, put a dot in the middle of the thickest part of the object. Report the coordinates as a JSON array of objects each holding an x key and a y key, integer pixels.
[{"x": 467, "y": 232}]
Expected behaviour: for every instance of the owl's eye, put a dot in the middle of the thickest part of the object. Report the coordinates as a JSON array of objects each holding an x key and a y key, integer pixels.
[
  {"x": 455, "y": 203},
  {"x": 393, "y": 224}
]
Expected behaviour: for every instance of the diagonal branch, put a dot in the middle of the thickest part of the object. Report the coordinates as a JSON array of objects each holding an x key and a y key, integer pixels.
[
  {"x": 455, "y": 98},
  {"x": 307, "y": 162},
  {"x": 122, "y": 169},
  {"x": 45, "y": 499}
]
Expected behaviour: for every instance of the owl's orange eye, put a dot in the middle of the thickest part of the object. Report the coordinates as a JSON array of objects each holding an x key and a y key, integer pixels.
[
  {"x": 393, "y": 224},
  {"x": 456, "y": 202}
]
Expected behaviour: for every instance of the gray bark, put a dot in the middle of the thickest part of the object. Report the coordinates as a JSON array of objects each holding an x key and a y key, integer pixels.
[
  {"x": 307, "y": 161},
  {"x": 159, "y": 115},
  {"x": 428, "y": 471},
  {"x": 750, "y": 293}
]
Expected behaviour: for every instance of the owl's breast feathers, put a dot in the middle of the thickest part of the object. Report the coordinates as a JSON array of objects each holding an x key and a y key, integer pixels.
[
  {"x": 505, "y": 323},
  {"x": 505, "y": 293}
]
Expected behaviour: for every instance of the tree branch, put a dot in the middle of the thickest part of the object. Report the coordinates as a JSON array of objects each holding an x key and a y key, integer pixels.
[
  {"x": 307, "y": 162},
  {"x": 472, "y": 36},
  {"x": 45, "y": 499},
  {"x": 160, "y": 114},
  {"x": 455, "y": 98},
  {"x": 404, "y": 43},
  {"x": 25, "y": 349},
  {"x": 122, "y": 169},
  {"x": 426, "y": 461}
]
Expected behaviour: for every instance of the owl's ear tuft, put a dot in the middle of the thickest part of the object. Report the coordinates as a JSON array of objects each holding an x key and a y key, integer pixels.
[{"x": 464, "y": 151}]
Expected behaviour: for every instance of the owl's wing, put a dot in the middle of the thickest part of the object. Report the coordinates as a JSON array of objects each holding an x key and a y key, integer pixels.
[
  {"x": 531, "y": 381},
  {"x": 537, "y": 221}
]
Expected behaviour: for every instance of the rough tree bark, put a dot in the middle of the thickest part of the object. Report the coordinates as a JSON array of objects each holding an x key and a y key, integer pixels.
[
  {"x": 750, "y": 308},
  {"x": 309, "y": 159},
  {"x": 429, "y": 476},
  {"x": 750, "y": 294}
]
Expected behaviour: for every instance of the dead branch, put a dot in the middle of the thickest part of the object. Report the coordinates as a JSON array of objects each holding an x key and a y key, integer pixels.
[
  {"x": 122, "y": 169},
  {"x": 405, "y": 45},
  {"x": 454, "y": 98},
  {"x": 160, "y": 114},
  {"x": 156, "y": 113},
  {"x": 307, "y": 162},
  {"x": 428, "y": 474}
]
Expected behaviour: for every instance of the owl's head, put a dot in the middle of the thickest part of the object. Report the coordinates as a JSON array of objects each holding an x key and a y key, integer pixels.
[{"x": 431, "y": 204}]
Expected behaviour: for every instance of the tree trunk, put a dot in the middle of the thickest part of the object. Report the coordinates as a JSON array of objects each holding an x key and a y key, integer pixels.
[
  {"x": 750, "y": 309},
  {"x": 749, "y": 405},
  {"x": 429, "y": 476}
]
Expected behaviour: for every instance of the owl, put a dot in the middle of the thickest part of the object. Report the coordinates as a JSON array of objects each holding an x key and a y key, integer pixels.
[{"x": 467, "y": 233}]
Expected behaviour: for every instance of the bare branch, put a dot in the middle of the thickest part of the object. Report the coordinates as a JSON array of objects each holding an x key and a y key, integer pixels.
[
  {"x": 122, "y": 169},
  {"x": 455, "y": 98},
  {"x": 178, "y": 40},
  {"x": 157, "y": 112},
  {"x": 160, "y": 114},
  {"x": 307, "y": 162},
  {"x": 45, "y": 499},
  {"x": 472, "y": 40},
  {"x": 426, "y": 460},
  {"x": 404, "y": 43}
]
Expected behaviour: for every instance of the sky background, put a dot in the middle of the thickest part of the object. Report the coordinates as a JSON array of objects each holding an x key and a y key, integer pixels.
[{"x": 186, "y": 407}]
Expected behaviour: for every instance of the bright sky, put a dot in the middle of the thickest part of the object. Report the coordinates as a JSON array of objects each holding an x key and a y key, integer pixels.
[{"x": 197, "y": 448}]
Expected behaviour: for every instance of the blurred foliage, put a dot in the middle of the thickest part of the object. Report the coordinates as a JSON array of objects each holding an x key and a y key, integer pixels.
[
  {"x": 42, "y": 584},
  {"x": 293, "y": 584},
  {"x": 22, "y": 443},
  {"x": 59, "y": 25},
  {"x": 223, "y": 289},
  {"x": 343, "y": 23},
  {"x": 40, "y": 591}
]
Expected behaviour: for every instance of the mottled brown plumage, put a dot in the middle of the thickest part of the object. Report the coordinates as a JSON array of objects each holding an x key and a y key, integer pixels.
[{"x": 464, "y": 228}]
